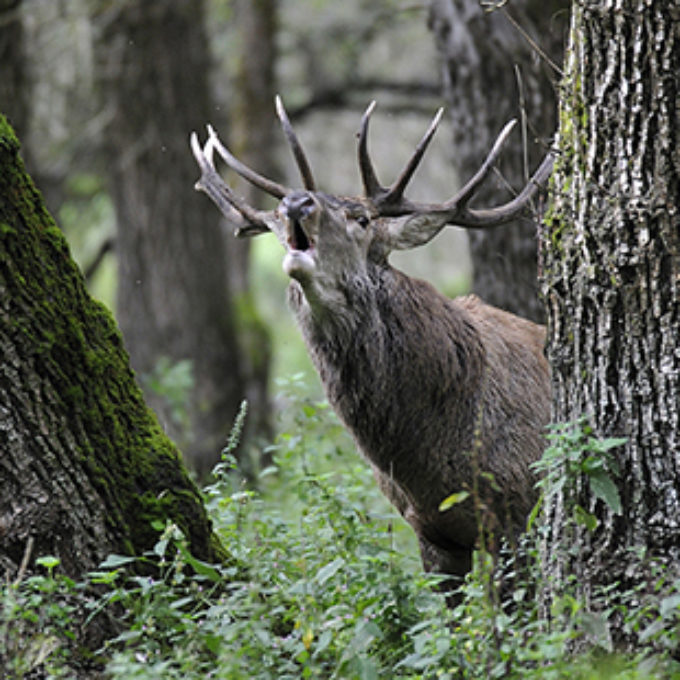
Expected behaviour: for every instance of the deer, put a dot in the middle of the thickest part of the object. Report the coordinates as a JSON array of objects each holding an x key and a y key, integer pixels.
[{"x": 441, "y": 395}]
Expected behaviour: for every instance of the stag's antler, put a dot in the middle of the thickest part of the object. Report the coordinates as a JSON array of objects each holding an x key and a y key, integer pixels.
[
  {"x": 386, "y": 201},
  {"x": 250, "y": 221},
  {"x": 391, "y": 201}
]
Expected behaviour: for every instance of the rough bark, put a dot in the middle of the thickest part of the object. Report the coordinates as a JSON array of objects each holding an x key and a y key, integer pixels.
[
  {"x": 611, "y": 279},
  {"x": 491, "y": 73},
  {"x": 85, "y": 467},
  {"x": 174, "y": 297}
]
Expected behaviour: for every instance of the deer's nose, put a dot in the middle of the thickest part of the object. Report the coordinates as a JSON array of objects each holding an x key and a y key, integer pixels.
[{"x": 298, "y": 205}]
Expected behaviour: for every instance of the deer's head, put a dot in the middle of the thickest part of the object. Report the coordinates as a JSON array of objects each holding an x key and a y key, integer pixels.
[{"x": 328, "y": 238}]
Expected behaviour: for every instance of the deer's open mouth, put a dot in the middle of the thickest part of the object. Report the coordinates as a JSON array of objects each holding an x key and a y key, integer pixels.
[{"x": 297, "y": 237}]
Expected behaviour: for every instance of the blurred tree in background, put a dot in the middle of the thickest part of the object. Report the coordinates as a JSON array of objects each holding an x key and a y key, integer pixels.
[
  {"x": 13, "y": 91},
  {"x": 501, "y": 61},
  {"x": 174, "y": 302}
]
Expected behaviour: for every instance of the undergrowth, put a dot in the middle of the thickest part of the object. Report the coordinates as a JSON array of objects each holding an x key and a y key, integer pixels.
[{"x": 332, "y": 589}]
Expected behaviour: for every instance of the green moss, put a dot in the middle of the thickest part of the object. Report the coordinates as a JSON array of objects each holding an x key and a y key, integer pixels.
[{"x": 76, "y": 346}]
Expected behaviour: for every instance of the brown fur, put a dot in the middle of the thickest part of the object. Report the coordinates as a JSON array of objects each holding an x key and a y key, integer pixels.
[{"x": 424, "y": 383}]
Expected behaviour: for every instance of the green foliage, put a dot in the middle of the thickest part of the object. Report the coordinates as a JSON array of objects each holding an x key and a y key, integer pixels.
[
  {"x": 574, "y": 455},
  {"x": 36, "y": 625},
  {"x": 331, "y": 588}
]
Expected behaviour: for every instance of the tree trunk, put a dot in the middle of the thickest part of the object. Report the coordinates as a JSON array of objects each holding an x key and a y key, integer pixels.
[
  {"x": 253, "y": 123},
  {"x": 491, "y": 73},
  {"x": 174, "y": 297},
  {"x": 85, "y": 467},
  {"x": 611, "y": 279},
  {"x": 13, "y": 77}
]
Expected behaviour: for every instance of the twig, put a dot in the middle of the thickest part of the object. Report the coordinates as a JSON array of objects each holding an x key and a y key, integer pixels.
[{"x": 24, "y": 561}]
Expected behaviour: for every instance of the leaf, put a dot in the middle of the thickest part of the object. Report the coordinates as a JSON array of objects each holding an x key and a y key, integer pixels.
[
  {"x": 595, "y": 626},
  {"x": 103, "y": 577},
  {"x": 329, "y": 570},
  {"x": 113, "y": 561},
  {"x": 535, "y": 511},
  {"x": 308, "y": 638},
  {"x": 669, "y": 605},
  {"x": 161, "y": 547},
  {"x": 584, "y": 518},
  {"x": 591, "y": 465},
  {"x": 652, "y": 630},
  {"x": 199, "y": 566},
  {"x": 48, "y": 561},
  {"x": 322, "y": 643},
  {"x": 453, "y": 499},
  {"x": 603, "y": 487}
]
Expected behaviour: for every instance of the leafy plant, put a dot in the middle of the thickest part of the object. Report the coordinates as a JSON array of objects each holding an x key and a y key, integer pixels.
[
  {"x": 575, "y": 454},
  {"x": 332, "y": 587},
  {"x": 37, "y": 625}
]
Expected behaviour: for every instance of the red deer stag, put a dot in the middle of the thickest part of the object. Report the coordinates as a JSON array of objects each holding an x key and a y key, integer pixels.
[{"x": 434, "y": 390}]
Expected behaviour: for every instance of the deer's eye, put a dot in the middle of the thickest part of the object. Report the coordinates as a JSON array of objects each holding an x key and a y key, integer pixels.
[{"x": 363, "y": 221}]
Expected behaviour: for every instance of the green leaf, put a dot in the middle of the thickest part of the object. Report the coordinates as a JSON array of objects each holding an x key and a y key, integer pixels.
[
  {"x": 328, "y": 570},
  {"x": 603, "y": 487},
  {"x": 453, "y": 499},
  {"x": 160, "y": 547},
  {"x": 48, "y": 561},
  {"x": 199, "y": 566},
  {"x": 535, "y": 511},
  {"x": 584, "y": 518},
  {"x": 669, "y": 605},
  {"x": 103, "y": 577},
  {"x": 592, "y": 465},
  {"x": 113, "y": 561}
]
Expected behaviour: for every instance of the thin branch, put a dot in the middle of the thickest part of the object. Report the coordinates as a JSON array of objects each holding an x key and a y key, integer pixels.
[
  {"x": 24, "y": 561},
  {"x": 532, "y": 43}
]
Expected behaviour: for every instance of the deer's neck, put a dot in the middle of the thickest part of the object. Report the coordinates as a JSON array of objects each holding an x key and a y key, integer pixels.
[{"x": 393, "y": 355}]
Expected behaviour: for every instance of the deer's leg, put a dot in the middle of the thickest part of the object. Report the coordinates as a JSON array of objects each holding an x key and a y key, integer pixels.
[{"x": 456, "y": 561}]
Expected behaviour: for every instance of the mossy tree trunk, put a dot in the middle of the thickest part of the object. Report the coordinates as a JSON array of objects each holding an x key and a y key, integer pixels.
[
  {"x": 612, "y": 282},
  {"x": 175, "y": 299},
  {"x": 491, "y": 73},
  {"x": 84, "y": 466}
]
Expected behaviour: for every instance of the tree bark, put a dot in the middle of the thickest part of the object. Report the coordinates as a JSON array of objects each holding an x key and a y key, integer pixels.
[
  {"x": 611, "y": 280},
  {"x": 251, "y": 134},
  {"x": 492, "y": 73},
  {"x": 174, "y": 295},
  {"x": 13, "y": 77},
  {"x": 85, "y": 467}
]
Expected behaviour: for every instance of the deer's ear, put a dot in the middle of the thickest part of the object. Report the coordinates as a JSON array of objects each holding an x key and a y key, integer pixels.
[{"x": 411, "y": 231}]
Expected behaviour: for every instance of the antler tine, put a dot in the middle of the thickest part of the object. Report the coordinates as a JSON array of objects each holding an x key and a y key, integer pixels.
[
  {"x": 461, "y": 199},
  {"x": 492, "y": 217},
  {"x": 428, "y": 219},
  {"x": 372, "y": 187},
  {"x": 396, "y": 191},
  {"x": 230, "y": 205},
  {"x": 272, "y": 188},
  {"x": 298, "y": 152}
]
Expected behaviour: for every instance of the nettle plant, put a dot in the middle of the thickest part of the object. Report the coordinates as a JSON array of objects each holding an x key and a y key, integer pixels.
[{"x": 574, "y": 457}]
